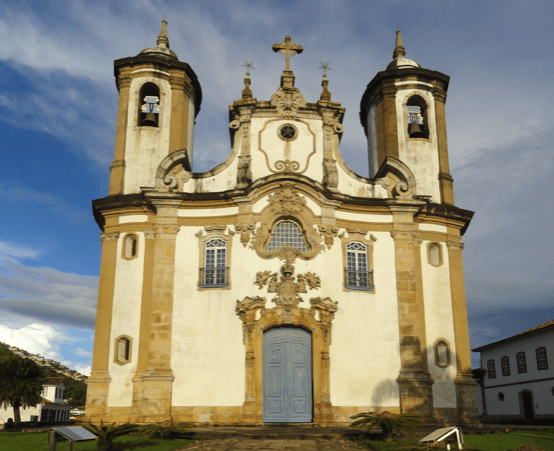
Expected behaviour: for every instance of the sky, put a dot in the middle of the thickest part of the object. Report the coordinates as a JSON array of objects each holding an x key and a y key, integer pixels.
[{"x": 58, "y": 104}]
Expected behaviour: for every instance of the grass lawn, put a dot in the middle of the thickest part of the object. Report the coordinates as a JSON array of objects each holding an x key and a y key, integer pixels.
[
  {"x": 490, "y": 442},
  {"x": 29, "y": 441}
]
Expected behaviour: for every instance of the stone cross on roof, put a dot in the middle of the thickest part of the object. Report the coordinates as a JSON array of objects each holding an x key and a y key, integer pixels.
[{"x": 287, "y": 48}]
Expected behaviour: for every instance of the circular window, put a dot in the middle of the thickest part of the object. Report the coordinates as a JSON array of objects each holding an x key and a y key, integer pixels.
[
  {"x": 287, "y": 132},
  {"x": 501, "y": 396}
]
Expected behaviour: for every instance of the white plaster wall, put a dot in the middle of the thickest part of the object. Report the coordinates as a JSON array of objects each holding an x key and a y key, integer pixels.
[
  {"x": 432, "y": 227},
  {"x": 146, "y": 147},
  {"x": 479, "y": 400},
  {"x": 353, "y": 187},
  {"x": 362, "y": 217},
  {"x": 203, "y": 212},
  {"x": 126, "y": 320},
  {"x": 6, "y": 413},
  {"x": 542, "y": 395},
  {"x": 132, "y": 218},
  {"x": 439, "y": 323},
  {"x": 365, "y": 353},
  {"x": 275, "y": 148},
  {"x": 421, "y": 157},
  {"x": 208, "y": 354}
]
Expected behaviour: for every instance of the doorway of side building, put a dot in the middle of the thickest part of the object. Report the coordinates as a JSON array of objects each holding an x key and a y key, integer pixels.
[
  {"x": 287, "y": 376},
  {"x": 527, "y": 404}
]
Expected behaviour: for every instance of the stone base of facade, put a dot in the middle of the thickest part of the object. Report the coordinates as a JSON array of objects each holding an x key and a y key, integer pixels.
[{"x": 466, "y": 399}]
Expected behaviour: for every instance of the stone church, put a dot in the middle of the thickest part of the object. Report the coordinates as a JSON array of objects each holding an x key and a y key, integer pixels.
[{"x": 280, "y": 286}]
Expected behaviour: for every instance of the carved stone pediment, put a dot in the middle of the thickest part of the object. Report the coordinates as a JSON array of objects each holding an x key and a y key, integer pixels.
[
  {"x": 288, "y": 101},
  {"x": 287, "y": 289}
]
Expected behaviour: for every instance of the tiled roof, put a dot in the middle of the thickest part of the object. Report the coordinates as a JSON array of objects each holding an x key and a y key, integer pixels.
[
  {"x": 53, "y": 381},
  {"x": 511, "y": 338}
]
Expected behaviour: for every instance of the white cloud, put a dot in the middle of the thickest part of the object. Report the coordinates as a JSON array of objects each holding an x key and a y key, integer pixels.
[
  {"x": 35, "y": 338},
  {"x": 82, "y": 352},
  {"x": 46, "y": 294},
  {"x": 15, "y": 251}
]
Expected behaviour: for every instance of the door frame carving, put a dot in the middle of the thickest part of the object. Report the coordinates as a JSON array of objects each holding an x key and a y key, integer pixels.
[{"x": 317, "y": 319}]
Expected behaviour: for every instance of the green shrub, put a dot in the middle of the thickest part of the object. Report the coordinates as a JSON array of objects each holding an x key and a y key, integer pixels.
[{"x": 388, "y": 422}]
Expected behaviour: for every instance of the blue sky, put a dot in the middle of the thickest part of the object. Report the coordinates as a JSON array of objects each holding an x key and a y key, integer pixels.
[{"x": 58, "y": 104}]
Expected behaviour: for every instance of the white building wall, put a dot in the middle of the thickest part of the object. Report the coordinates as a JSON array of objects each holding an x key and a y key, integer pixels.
[
  {"x": 126, "y": 320},
  {"x": 512, "y": 385},
  {"x": 439, "y": 323}
]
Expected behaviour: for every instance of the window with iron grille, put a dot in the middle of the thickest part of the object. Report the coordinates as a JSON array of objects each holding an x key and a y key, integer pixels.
[
  {"x": 215, "y": 271},
  {"x": 505, "y": 363},
  {"x": 521, "y": 364},
  {"x": 491, "y": 371},
  {"x": 357, "y": 274},
  {"x": 286, "y": 232},
  {"x": 542, "y": 362}
]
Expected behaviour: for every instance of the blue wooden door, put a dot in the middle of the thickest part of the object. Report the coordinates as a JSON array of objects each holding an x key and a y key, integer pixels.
[{"x": 287, "y": 376}]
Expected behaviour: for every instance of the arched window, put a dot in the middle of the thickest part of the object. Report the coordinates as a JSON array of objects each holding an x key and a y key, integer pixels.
[
  {"x": 542, "y": 362},
  {"x": 286, "y": 232},
  {"x": 148, "y": 115},
  {"x": 521, "y": 363},
  {"x": 505, "y": 364},
  {"x": 123, "y": 350},
  {"x": 417, "y": 117},
  {"x": 357, "y": 271},
  {"x": 491, "y": 370},
  {"x": 434, "y": 254},
  {"x": 214, "y": 272},
  {"x": 130, "y": 246},
  {"x": 442, "y": 354}
]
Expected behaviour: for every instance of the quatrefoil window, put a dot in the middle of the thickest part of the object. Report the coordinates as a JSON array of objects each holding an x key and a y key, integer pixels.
[{"x": 287, "y": 132}]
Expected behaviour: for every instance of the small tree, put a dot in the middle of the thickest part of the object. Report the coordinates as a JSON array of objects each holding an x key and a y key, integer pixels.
[
  {"x": 388, "y": 422},
  {"x": 20, "y": 384},
  {"x": 108, "y": 433},
  {"x": 164, "y": 431}
]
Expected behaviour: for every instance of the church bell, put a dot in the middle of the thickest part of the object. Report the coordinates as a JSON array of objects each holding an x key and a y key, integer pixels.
[
  {"x": 415, "y": 131},
  {"x": 150, "y": 120}
]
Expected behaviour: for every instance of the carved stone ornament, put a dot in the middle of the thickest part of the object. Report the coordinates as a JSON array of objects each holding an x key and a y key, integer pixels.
[
  {"x": 286, "y": 200},
  {"x": 287, "y": 289},
  {"x": 245, "y": 231},
  {"x": 401, "y": 235},
  {"x": 330, "y": 174},
  {"x": 166, "y": 229},
  {"x": 149, "y": 234},
  {"x": 171, "y": 175},
  {"x": 288, "y": 101},
  {"x": 244, "y": 172},
  {"x": 329, "y": 233},
  {"x": 454, "y": 246},
  {"x": 109, "y": 237}
]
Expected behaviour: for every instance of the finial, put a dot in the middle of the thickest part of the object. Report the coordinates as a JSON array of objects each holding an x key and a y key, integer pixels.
[
  {"x": 163, "y": 41},
  {"x": 247, "y": 92},
  {"x": 325, "y": 94},
  {"x": 249, "y": 65},
  {"x": 399, "y": 50}
]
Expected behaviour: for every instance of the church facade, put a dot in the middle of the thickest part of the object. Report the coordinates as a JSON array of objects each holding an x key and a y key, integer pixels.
[{"x": 279, "y": 286}]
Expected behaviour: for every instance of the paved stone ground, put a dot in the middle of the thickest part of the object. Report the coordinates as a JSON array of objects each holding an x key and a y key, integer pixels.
[{"x": 235, "y": 444}]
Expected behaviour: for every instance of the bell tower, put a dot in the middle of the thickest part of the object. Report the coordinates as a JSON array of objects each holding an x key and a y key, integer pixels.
[
  {"x": 402, "y": 112},
  {"x": 159, "y": 99}
]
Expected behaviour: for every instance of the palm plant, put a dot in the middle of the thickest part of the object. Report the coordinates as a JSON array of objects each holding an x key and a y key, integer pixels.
[
  {"x": 108, "y": 433},
  {"x": 388, "y": 422},
  {"x": 163, "y": 432}
]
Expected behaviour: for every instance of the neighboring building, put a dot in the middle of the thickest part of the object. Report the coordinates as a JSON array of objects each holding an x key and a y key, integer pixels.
[
  {"x": 52, "y": 409},
  {"x": 516, "y": 380},
  {"x": 280, "y": 286}
]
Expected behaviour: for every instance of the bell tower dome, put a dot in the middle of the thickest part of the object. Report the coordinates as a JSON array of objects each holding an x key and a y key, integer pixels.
[
  {"x": 402, "y": 112},
  {"x": 159, "y": 99}
]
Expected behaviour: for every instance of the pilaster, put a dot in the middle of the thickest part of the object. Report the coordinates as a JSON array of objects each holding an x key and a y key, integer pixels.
[
  {"x": 414, "y": 381},
  {"x": 98, "y": 384},
  {"x": 466, "y": 397},
  {"x": 445, "y": 179},
  {"x": 157, "y": 380},
  {"x": 117, "y": 169},
  {"x": 178, "y": 130}
]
